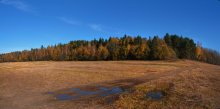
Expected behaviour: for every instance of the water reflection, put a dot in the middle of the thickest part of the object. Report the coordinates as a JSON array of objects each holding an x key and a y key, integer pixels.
[
  {"x": 76, "y": 93},
  {"x": 155, "y": 95}
]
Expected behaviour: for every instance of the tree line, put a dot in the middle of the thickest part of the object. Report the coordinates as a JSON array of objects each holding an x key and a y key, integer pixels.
[{"x": 114, "y": 48}]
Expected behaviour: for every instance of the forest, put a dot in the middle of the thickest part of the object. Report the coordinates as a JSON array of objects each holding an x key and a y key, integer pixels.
[{"x": 170, "y": 47}]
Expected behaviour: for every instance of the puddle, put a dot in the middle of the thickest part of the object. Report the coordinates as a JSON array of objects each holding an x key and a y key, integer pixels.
[
  {"x": 83, "y": 92},
  {"x": 65, "y": 97},
  {"x": 115, "y": 90},
  {"x": 50, "y": 93},
  {"x": 156, "y": 95},
  {"x": 77, "y": 93}
]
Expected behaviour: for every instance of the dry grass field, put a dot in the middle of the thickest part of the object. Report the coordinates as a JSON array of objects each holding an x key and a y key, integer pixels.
[{"x": 109, "y": 84}]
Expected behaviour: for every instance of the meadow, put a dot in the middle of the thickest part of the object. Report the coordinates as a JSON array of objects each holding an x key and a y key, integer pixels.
[{"x": 183, "y": 84}]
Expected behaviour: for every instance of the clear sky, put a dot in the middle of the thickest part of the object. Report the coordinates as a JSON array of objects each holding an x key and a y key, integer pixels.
[{"x": 26, "y": 24}]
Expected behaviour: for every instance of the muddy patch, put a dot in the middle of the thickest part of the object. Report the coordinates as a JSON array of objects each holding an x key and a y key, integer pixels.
[
  {"x": 79, "y": 93},
  {"x": 155, "y": 95}
]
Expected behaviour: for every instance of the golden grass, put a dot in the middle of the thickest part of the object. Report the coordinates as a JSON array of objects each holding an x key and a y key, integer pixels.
[
  {"x": 190, "y": 89},
  {"x": 23, "y": 85}
]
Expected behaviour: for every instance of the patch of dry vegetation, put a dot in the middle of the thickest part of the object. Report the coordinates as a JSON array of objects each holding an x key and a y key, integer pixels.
[
  {"x": 192, "y": 89},
  {"x": 23, "y": 85},
  {"x": 186, "y": 84}
]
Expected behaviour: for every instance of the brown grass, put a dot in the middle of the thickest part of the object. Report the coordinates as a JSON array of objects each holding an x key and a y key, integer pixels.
[
  {"x": 188, "y": 84},
  {"x": 197, "y": 88}
]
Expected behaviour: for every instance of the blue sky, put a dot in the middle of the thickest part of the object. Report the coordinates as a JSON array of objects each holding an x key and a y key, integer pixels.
[{"x": 26, "y": 24}]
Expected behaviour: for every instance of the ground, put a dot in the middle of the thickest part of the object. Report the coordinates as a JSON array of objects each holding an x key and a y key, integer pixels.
[{"x": 109, "y": 84}]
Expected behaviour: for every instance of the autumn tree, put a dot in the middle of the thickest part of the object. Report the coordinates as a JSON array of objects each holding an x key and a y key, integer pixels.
[
  {"x": 160, "y": 50},
  {"x": 102, "y": 53},
  {"x": 199, "y": 52},
  {"x": 113, "y": 48}
]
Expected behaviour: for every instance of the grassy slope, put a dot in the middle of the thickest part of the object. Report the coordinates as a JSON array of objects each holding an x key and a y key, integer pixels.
[
  {"x": 187, "y": 83},
  {"x": 197, "y": 88}
]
